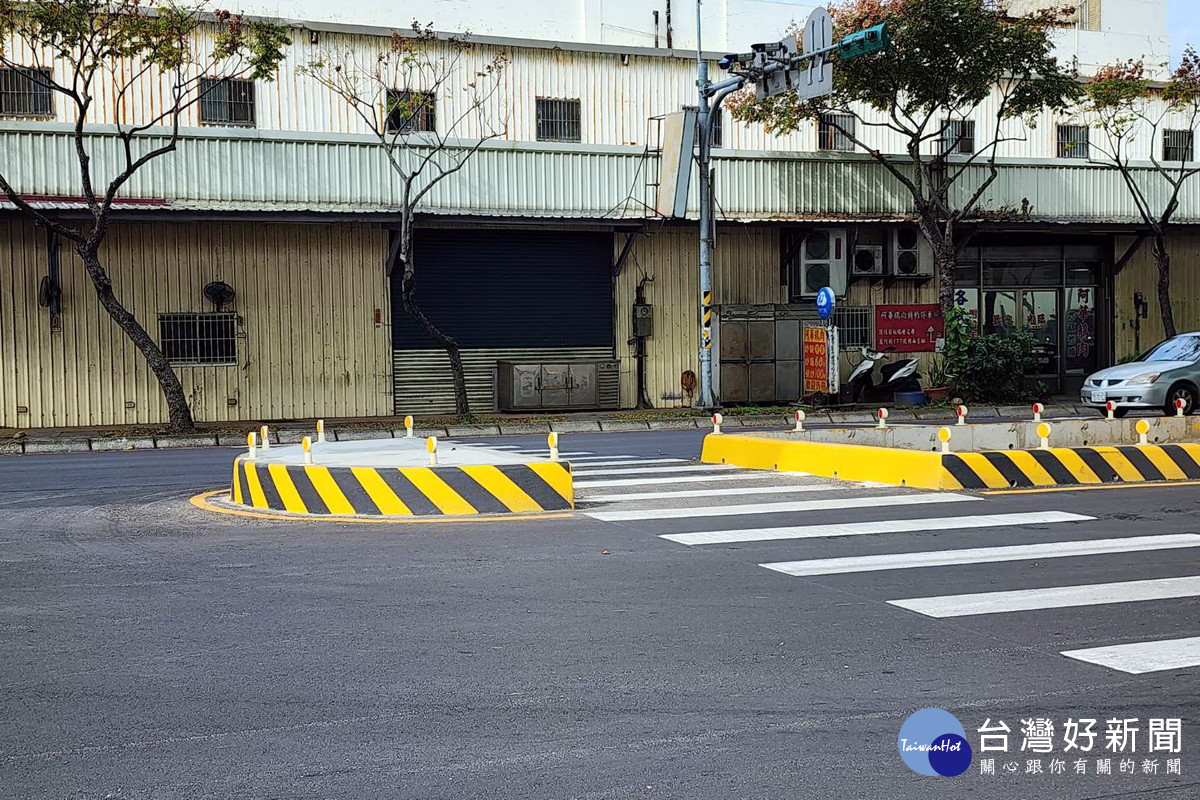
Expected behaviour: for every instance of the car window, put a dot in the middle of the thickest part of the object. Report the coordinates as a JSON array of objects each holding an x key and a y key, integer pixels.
[{"x": 1181, "y": 348}]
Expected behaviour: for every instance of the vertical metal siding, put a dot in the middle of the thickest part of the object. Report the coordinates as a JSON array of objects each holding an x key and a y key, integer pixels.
[
  {"x": 307, "y": 294},
  {"x": 1141, "y": 275}
]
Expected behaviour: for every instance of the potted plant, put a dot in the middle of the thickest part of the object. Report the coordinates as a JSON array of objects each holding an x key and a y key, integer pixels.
[{"x": 939, "y": 378}]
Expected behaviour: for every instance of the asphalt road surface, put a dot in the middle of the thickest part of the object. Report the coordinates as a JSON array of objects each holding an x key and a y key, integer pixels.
[{"x": 770, "y": 647}]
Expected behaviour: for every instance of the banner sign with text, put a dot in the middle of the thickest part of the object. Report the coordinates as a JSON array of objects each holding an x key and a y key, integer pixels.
[{"x": 910, "y": 328}]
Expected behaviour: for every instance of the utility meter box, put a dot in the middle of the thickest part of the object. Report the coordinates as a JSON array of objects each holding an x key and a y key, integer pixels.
[{"x": 643, "y": 319}]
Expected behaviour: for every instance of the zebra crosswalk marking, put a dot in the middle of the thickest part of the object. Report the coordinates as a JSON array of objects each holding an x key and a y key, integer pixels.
[
  {"x": 779, "y": 508},
  {"x": 1138, "y": 658}
]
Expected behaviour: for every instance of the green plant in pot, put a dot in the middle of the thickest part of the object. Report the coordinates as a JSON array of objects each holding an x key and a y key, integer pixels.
[{"x": 939, "y": 378}]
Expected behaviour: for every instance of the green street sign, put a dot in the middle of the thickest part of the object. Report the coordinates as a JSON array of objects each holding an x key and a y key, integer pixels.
[{"x": 873, "y": 40}]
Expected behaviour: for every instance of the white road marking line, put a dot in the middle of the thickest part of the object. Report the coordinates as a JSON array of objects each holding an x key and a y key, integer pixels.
[
  {"x": 1094, "y": 594},
  {"x": 1141, "y": 657},
  {"x": 666, "y": 469},
  {"x": 777, "y": 508},
  {"x": 588, "y": 465},
  {"x": 581, "y": 483},
  {"x": 724, "y": 492},
  {"x": 984, "y": 555}
]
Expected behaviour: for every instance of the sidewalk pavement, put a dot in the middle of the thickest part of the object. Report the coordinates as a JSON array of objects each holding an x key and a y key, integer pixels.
[{"x": 79, "y": 440}]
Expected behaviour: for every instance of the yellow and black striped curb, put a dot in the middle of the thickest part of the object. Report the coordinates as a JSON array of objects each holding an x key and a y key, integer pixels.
[
  {"x": 1001, "y": 469},
  {"x": 1073, "y": 466},
  {"x": 404, "y": 491}
]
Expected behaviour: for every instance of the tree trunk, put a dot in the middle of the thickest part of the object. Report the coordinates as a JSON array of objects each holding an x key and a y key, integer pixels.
[
  {"x": 407, "y": 286},
  {"x": 1162, "y": 258},
  {"x": 177, "y": 403},
  {"x": 945, "y": 260}
]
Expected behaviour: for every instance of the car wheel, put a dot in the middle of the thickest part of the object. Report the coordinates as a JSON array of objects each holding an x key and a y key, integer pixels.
[
  {"x": 1120, "y": 412},
  {"x": 1180, "y": 391}
]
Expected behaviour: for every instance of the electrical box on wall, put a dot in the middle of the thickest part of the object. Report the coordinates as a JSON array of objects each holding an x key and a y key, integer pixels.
[{"x": 643, "y": 319}]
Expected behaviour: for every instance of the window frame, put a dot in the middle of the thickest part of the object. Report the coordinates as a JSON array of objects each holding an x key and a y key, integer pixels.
[
  {"x": 963, "y": 131},
  {"x": 208, "y": 102},
  {"x": 11, "y": 79},
  {"x": 829, "y": 137},
  {"x": 227, "y": 344},
  {"x": 1189, "y": 148},
  {"x": 718, "y": 128},
  {"x": 543, "y": 120},
  {"x": 1063, "y": 147},
  {"x": 420, "y": 119}
]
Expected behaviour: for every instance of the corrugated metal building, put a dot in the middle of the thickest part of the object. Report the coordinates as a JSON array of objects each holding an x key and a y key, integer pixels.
[{"x": 532, "y": 254}]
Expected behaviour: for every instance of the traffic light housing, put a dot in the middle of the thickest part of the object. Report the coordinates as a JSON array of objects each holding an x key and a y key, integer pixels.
[{"x": 872, "y": 40}]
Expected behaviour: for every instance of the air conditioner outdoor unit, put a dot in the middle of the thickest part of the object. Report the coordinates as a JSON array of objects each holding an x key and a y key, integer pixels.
[
  {"x": 910, "y": 252},
  {"x": 823, "y": 262},
  {"x": 868, "y": 260}
]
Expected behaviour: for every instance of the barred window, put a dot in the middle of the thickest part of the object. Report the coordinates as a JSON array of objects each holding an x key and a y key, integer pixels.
[
  {"x": 410, "y": 111},
  {"x": 958, "y": 137},
  {"x": 718, "y": 127},
  {"x": 558, "y": 120},
  {"x": 227, "y": 101},
  {"x": 854, "y": 326},
  {"x": 1073, "y": 141},
  {"x": 207, "y": 338},
  {"x": 25, "y": 93},
  {"x": 1178, "y": 145},
  {"x": 830, "y": 135}
]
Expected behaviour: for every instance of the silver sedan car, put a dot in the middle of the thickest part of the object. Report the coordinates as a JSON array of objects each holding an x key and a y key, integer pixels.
[{"x": 1167, "y": 372}]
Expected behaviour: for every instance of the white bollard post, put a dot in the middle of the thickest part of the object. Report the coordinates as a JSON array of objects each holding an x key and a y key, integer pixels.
[
  {"x": 252, "y": 443},
  {"x": 717, "y": 419},
  {"x": 962, "y": 415},
  {"x": 944, "y": 435},
  {"x": 306, "y": 443},
  {"x": 265, "y": 435},
  {"x": 883, "y": 415},
  {"x": 1038, "y": 408},
  {"x": 320, "y": 431},
  {"x": 799, "y": 421},
  {"x": 408, "y": 427},
  {"x": 431, "y": 446},
  {"x": 1110, "y": 406},
  {"x": 1143, "y": 428},
  {"x": 1043, "y": 432},
  {"x": 1180, "y": 405},
  {"x": 552, "y": 440}
]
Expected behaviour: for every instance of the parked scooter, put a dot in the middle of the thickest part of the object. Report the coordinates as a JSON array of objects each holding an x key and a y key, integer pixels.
[{"x": 899, "y": 376}]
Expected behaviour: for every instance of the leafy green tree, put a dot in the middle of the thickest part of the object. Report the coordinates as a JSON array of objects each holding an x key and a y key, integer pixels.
[
  {"x": 950, "y": 62},
  {"x": 102, "y": 59},
  {"x": 1130, "y": 110},
  {"x": 428, "y": 103}
]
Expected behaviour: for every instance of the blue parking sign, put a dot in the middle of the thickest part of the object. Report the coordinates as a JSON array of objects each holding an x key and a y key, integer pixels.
[{"x": 825, "y": 302}]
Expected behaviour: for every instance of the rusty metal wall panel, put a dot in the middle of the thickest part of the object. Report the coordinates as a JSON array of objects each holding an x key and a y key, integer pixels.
[
  {"x": 1141, "y": 275},
  {"x": 308, "y": 345}
]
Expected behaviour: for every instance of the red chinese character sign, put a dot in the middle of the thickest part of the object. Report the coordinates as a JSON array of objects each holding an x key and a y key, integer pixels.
[
  {"x": 820, "y": 360},
  {"x": 911, "y": 328}
]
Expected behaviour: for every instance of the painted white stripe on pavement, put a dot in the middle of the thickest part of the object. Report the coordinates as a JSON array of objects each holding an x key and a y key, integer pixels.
[
  {"x": 1142, "y": 657},
  {"x": 984, "y": 555},
  {"x": 778, "y": 508},
  {"x": 723, "y": 492},
  {"x": 631, "y": 462},
  {"x": 1094, "y": 594},
  {"x": 715, "y": 480},
  {"x": 666, "y": 469}
]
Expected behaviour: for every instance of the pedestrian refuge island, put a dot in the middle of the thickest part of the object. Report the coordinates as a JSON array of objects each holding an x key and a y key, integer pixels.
[
  {"x": 405, "y": 477},
  {"x": 995, "y": 455}
]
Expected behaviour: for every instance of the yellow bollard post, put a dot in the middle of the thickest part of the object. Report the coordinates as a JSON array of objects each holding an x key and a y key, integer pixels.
[
  {"x": 252, "y": 443},
  {"x": 552, "y": 440},
  {"x": 1038, "y": 408},
  {"x": 1043, "y": 432},
  {"x": 882, "y": 414},
  {"x": 1143, "y": 428},
  {"x": 962, "y": 415},
  {"x": 717, "y": 419},
  {"x": 320, "y": 431},
  {"x": 431, "y": 446},
  {"x": 944, "y": 436},
  {"x": 799, "y": 420},
  {"x": 408, "y": 427},
  {"x": 306, "y": 443},
  {"x": 265, "y": 435}
]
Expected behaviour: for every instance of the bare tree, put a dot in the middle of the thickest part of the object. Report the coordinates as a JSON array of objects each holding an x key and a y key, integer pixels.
[
  {"x": 429, "y": 102},
  {"x": 100, "y": 57},
  {"x": 1129, "y": 109}
]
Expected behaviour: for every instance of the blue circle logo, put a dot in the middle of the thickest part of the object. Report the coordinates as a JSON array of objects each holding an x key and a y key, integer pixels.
[
  {"x": 933, "y": 742},
  {"x": 825, "y": 302}
]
